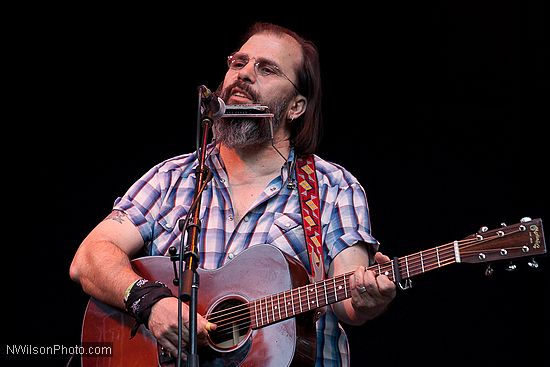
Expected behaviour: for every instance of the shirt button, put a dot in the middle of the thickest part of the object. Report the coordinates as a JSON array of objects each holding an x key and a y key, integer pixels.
[
  {"x": 288, "y": 224},
  {"x": 230, "y": 217},
  {"x": 246, "y": 218},
  {"x": 230, "y": 256},
  {"x": 222, "y": 179},
  {"x": 273, "y": 188}
]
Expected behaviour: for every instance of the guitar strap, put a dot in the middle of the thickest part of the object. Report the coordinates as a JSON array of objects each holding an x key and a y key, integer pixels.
[{"x": 308, "y": 191}]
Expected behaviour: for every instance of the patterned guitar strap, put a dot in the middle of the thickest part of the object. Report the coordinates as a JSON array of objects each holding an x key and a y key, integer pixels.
[{"x": 308, "y": 190}]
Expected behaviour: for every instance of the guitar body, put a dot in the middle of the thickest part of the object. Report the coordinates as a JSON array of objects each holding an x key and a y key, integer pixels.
[{"x": 257, "y": 272}]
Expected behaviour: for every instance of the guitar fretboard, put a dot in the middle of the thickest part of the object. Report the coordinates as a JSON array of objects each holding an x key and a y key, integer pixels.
[{"x": 281, "y": 306}]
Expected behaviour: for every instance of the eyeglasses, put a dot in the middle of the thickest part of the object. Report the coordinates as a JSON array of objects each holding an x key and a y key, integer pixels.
[{"x": 263, "y": 67}]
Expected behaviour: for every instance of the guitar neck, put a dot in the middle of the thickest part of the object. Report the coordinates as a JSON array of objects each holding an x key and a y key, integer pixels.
[
  {"x": 518, "y": 240},
  {"x": 281, "y": 306}
]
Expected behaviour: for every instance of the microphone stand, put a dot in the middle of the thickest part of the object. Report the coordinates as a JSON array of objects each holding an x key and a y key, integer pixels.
[
  {"x": 188, "y": 285},
  {"x": 188, "y": 279}
]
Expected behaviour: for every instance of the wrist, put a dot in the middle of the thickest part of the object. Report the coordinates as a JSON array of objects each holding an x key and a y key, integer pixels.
[
  {"x": 129, "y": 288},
  {"x": 143, "y": 295}
]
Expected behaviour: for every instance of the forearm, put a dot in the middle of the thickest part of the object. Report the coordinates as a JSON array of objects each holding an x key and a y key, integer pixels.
[
  {"x": 104, "y": 272},
  {"x": 353, "y": 315},
  {"x": 369, "y": 294}
]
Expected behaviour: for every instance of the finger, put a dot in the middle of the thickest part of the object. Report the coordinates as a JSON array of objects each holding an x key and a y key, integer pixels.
[
  {"x": 358, "y": 277},
  {"x": 386, "y": 286},
  {"x": 204, "y": 328},
  {"x": 370, "y": 283},
  {"x": 381, "y": 258},
  {"x": 210, "y": 326},
  {"x": 170, "y": 341}
]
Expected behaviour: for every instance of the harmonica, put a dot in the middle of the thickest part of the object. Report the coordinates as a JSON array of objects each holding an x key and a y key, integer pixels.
[{"x": 246, "y": 110}]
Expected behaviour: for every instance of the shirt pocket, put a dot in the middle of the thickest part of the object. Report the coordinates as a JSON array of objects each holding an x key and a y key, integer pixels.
[
  {"x": 287, "y": 234},
  {"x": 169, "y": 218}
]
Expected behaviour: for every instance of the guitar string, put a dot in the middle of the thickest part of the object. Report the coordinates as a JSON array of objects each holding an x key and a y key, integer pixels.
[
  {"x": 292, "y": 293},
  {"x": 414, "y": 261},
  {"x": 386, "y": 265},
  {"x": 244, "y": 323},
  {"x": 444, "y": 251},
  {"x": 245, "y": 320},
  {"x": 238, "y": 315},
  {"x": 238, "y": 311}
]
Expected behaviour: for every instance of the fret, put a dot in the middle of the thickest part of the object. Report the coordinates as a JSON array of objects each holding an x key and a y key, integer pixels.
[
  {"x": 261, "y": 313},
  {"x": 407, "y": 266},
  {"x": 325, "y": 288},
  {"x": 256, "y": 313},
  {"x": 379, "y": 269},
  {"x": 316, "y": 295},
  {"x": 421, "y": 261},
  {"x": 272, "y": 309},
  {"x": 300, "y": 298},
  {"x": 437, "y": 253},
  {"x": 284, "y": 300},
  {"x": 292, "y": 300},
  {"x": 345, "y": 286},
  {"x": 334, "y": 285},
  {"x": 279, "y": 307},
  {"x": 266, "y": 311}
]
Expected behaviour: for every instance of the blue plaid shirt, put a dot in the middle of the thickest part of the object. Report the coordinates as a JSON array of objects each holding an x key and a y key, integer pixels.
[{"x": 163, "y": 195}]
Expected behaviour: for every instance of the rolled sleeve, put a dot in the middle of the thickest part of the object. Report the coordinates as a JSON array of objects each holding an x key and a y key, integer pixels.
[
  {"x": 349, "y": 222},
  {"x": 141, "y": 203}
]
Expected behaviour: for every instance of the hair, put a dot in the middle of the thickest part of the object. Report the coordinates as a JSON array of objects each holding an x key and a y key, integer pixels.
[{"x": 306, "y": 130}]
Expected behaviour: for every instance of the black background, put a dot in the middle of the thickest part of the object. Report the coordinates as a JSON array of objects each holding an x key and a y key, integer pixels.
[{"x": 437, "y": 109}]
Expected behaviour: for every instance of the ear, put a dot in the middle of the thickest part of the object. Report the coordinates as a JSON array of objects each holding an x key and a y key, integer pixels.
[{"x": 297, "y": 107}]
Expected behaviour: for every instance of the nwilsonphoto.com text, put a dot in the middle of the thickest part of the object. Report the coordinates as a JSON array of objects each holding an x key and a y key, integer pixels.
[{"x": 90, "y": 349}]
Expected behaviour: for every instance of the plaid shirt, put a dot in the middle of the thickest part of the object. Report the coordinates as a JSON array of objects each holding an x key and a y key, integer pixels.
[{"x": 163, "y": 195}]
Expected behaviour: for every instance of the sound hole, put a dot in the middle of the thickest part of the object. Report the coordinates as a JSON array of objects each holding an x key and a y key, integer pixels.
[{"x": 232, "y": 318}]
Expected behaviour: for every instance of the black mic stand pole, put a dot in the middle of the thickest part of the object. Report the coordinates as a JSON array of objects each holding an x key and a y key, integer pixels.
[{"x": 189, "y": 281}]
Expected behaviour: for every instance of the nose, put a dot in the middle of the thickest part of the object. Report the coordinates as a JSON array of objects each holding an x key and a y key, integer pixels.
[{"x": 248, "y": 72}]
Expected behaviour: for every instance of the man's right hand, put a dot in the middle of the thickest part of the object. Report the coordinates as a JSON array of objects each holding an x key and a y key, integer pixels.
[{"x": 163, "y": 323}]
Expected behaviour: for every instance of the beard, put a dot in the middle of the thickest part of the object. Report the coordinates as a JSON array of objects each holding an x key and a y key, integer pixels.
[{"x": 247, "y": 132}]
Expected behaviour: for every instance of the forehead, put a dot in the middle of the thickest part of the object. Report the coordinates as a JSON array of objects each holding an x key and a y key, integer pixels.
[{"x": 282, "y": 49}]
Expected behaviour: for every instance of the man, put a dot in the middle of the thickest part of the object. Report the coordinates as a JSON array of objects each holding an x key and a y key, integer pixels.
[{"x": 251, "y": 195}]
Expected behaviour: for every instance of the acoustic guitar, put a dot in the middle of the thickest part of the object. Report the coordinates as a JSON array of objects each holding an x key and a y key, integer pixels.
[{"x": 268, "y": 320}]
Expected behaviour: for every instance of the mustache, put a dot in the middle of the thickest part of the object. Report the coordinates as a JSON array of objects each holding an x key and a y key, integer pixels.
[{"x": 244, "y": 87}]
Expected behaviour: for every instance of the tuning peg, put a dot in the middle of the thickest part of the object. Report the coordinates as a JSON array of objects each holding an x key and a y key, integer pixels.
[
  {"x": 503, "y": 224},
  {"x": 489, "y": 270},
  {"x": 511, "y": 267},
  {"x": 533, "y": 264},
  {"x": 525, "y": 219},
  {"x": 483, "y": 229}
]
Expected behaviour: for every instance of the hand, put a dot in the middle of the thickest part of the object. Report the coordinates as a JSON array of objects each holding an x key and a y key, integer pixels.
[
  {"x": 163, "y": 323},
  {"x": 371, "y": 294}
]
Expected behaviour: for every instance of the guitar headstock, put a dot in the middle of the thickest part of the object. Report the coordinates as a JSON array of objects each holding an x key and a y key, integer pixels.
[{"x": 523, "y": 239}]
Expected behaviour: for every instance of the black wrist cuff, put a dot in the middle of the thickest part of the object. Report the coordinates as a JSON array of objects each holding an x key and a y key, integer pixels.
[{"x": 143, "y": 295}]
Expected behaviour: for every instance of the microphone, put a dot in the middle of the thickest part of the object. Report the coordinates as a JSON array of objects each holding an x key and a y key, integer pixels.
[{"x": 212, "y": 106}]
